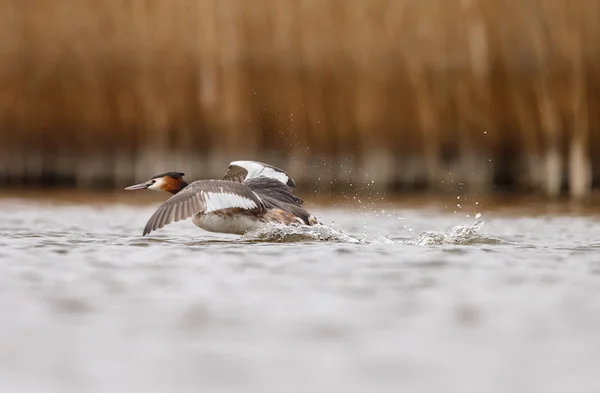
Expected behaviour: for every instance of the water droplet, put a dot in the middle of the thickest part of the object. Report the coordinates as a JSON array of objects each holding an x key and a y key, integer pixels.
[{"x": 477, "y": 216}]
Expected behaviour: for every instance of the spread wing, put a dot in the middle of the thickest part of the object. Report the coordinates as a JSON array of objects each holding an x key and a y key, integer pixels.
[
  {"x": 271, "y": 190},
  {"x": 239, "y": 171},
  {"x": 201, "y": 197}
]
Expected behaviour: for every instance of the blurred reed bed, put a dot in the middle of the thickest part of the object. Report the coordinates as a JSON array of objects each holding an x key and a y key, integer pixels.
[{"x": 450, "y": 95}]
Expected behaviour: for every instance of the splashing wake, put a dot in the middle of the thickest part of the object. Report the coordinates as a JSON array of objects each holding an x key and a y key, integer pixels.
[
  {"x": 291, "y": 234},
  {"x": 458, "y": 235}
]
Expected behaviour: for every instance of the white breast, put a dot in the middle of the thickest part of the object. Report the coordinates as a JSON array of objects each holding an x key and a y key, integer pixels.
[{"x": 236, "y": 224}]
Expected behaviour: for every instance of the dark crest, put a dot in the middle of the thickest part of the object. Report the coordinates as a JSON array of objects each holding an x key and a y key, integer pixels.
[{"x": 174, "y": 175}]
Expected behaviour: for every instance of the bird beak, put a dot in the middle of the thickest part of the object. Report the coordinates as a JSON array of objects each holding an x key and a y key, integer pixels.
[{"x": 141, "y": 186}]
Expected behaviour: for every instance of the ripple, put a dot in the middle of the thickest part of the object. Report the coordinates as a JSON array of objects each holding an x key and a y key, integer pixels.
[{"x": 70, "y": 305}]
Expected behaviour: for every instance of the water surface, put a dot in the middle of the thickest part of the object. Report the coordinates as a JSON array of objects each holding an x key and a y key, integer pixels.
[{"x": 387, "y": 300}]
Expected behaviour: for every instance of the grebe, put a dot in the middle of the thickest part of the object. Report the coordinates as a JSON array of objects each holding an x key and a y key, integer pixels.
[{"x": 251, "y": 196}]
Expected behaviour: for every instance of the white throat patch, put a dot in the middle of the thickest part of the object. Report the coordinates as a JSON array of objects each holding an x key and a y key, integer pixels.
[{"x": 157, "y": 186}]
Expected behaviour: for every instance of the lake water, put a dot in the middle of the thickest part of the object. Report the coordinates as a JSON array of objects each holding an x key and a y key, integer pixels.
[{"x": 382, "y": 299}]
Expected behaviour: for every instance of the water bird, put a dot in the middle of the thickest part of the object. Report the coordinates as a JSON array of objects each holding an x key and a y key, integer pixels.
[{"x": 251, "y": 196}]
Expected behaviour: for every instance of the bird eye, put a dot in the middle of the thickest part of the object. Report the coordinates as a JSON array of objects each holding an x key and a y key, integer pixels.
[{"x": 153, "y": 181}]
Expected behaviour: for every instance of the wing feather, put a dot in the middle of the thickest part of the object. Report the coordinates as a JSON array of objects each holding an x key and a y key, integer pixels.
[
  {"x": 201, "y": 197},
  {"x": 240, "y": 171},
  {"x": 177, "y": 211}
]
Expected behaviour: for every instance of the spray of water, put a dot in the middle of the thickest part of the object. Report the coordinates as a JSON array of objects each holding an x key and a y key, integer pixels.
[
  {"x": 299, "y": 233},
  {"x": 464, "y": 234},
  {"x": 459, "y": 235}
]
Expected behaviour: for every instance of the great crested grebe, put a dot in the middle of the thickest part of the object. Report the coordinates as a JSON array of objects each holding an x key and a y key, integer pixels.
[{"x": 251, "y": 196}]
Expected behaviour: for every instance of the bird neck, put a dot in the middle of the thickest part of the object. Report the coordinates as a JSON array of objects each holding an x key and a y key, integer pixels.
[{"x": 176, "y": 188}]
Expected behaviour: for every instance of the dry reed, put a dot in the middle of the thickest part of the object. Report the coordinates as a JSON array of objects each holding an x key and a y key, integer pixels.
[{"x": 432, "y": 94}]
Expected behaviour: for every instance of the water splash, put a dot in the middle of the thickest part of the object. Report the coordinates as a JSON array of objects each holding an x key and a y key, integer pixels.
[
  {"x": 464, "y": 234},
  {"x": 290, "y": 234},
  {"x": 459, "y": 235}
]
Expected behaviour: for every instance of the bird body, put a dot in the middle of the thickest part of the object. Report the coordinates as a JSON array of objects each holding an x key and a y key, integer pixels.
[{"x": 251, "y": 195}]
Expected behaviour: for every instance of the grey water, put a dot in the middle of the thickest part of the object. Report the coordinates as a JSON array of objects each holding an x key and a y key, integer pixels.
[{"x": 388, "y": 300}]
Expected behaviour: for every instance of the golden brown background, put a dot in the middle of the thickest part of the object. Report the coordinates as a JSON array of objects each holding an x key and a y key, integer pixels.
[{"x": 482, "y": 95}]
